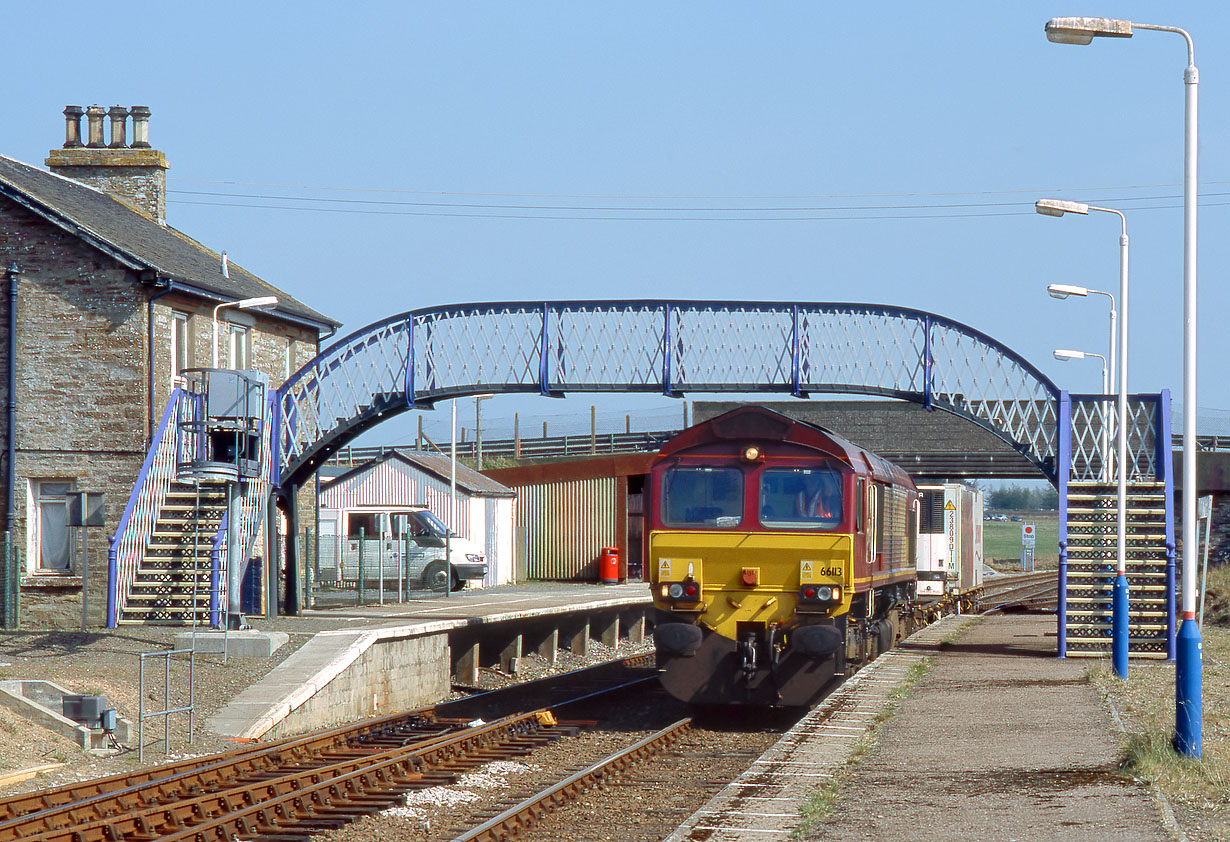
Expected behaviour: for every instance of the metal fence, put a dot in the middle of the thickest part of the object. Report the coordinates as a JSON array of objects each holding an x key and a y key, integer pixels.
[{"x": 372, "y": 571}]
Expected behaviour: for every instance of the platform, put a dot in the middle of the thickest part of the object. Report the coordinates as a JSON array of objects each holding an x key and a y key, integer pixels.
[
  {"x": 376, "y": 659},
  {"x": 998, "y": 740}
]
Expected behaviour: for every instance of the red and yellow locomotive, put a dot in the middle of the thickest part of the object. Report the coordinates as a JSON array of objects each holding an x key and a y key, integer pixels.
[{"x": 780, "y": 555}]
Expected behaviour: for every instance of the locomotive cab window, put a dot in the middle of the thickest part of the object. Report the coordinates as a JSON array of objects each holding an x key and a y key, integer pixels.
[
  {"x": 800, "y": 497},
  {"x": 703, "y": 497}
]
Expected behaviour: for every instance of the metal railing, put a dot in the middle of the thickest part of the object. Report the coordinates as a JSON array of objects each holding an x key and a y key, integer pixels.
[
  {"x": 167, "y": 710},
  {"x": 132, "y": 536},
  {"x": 670, "y": 347}
]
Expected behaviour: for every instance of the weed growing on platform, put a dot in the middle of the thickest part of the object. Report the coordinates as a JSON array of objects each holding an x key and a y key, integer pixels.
[
  {"x": 824, "y": 800},
  {"x": 1197, "y": 790}
]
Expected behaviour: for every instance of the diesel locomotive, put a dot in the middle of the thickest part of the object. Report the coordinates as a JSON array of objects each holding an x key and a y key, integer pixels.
[{"x": 781, "y": 556}]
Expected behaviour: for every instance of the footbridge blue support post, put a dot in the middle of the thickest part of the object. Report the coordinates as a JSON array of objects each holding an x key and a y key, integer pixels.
[{"x": 1063, "y": 464}]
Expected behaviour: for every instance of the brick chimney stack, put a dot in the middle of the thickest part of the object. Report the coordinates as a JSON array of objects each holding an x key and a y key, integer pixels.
[{"x": 133, "y": 174}]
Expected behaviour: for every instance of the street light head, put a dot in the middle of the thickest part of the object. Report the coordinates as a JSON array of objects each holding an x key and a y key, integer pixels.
[
  {"x": 1058, "y": 207},
  {"x": 1084, "y": 30},
  {"x": 1062, "y": 291},
  {"x": 255, "y": 303},
  {"x": 1065, "y": 355}
]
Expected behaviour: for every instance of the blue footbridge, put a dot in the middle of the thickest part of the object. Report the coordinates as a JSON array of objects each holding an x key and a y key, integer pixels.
[{"x": 676, "y": 347}]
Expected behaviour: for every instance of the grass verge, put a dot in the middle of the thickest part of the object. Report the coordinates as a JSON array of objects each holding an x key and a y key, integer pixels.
[{"x": 1198, "y": 790}]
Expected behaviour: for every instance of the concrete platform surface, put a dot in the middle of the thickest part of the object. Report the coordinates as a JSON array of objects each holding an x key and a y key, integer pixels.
[
  {"x": 348, "y": 641},
  {"x": 999, "y": 740}
]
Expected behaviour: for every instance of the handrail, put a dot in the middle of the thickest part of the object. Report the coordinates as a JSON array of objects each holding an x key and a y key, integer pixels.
[{"x": 128, "y": 545}]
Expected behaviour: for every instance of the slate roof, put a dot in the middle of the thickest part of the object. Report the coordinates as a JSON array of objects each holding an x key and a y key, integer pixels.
[{"x": 139, "y": 242}]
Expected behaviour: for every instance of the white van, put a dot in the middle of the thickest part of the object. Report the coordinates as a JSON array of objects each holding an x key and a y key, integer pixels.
[{"x": 395, "y": 544}]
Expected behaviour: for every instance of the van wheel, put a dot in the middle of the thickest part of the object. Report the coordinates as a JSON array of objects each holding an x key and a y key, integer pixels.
[{"x": 437, "y": 576}]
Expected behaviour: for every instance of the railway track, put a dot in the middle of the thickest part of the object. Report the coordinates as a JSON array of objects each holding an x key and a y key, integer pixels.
[
  {"x": 294, "y": 787},
  {"x": 516, "y": 820},
  {"x": 1038, "y": 591}
]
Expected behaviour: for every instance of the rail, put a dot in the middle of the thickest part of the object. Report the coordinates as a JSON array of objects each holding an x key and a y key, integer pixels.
[{"x": 508, "y": 824}]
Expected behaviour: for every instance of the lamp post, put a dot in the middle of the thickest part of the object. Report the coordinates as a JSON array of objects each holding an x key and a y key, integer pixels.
[
  {"x": 1119, "y": 601},
  {"x": 1063, "y": 291},
  {"x": 1064, "y": 356},
  {"x": 262, "y": 302},
  {"x": 478, "y": 430},
  {"x": 1188, "y": 668}
]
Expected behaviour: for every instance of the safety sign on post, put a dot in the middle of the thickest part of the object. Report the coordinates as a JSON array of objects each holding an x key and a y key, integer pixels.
[{"x": 1027, "y": 547}]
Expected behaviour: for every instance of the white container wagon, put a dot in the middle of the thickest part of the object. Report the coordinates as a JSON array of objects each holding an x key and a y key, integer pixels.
[{"x": 950, "y": 545}]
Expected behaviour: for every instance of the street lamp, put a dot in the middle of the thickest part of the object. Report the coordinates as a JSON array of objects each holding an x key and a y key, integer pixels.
[
  {"x": 1063, "y": 291},
  {"x": 1188, "y": 668},
  {"x": 1063, "y": 355},
  {"x": 1119, "y": 602},
  {"x": 262, "y": 302}
]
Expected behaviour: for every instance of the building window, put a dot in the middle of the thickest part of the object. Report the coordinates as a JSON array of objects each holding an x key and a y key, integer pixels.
[
  {"x": 239, "y": 346},
  {"x": 52, "y": 546},
  {"x": 179, "y": 345}
]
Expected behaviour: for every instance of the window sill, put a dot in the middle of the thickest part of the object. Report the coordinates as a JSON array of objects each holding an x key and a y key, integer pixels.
[{"x": 51, "y": 581}]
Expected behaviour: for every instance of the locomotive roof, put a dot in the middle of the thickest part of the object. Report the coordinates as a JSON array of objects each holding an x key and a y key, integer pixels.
[{"x": 752, "y": 423}]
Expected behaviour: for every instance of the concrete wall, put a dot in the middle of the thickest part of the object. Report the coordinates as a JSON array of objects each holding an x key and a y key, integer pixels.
[{"x": 394, "y": 673}]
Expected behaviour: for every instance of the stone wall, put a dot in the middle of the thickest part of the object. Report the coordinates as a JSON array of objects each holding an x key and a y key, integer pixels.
[{"x": 85, "y": 409}]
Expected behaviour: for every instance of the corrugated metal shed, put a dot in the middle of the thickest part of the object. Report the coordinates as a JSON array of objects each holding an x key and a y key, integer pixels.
[
  {"x": 405, "y": 478},
  {"x": 567, "y": 511}
]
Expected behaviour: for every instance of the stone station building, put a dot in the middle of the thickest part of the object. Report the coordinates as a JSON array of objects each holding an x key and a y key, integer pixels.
[{"x": 105, "y": 306}]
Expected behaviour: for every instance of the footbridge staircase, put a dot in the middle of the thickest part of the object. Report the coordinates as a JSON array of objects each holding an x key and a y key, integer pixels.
[{"x": 416, "y": 359}]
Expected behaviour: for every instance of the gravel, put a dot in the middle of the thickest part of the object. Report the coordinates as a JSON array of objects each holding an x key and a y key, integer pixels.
[{"x": 108, "y": 664}]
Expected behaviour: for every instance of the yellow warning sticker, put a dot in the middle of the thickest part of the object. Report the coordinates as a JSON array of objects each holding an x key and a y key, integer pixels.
[
  {"x": 664, "y": 568},
  {"x": 805, "y": 569},
  {"x": 949, "y": 507}
]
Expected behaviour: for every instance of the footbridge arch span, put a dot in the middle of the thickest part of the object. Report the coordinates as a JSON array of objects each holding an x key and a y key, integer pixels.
[{"x": 670, "y": 347}]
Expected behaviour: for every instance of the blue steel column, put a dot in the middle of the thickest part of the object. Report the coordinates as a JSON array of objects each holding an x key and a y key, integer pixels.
[
  {"x": 927, "y": 362},
  {"x": 1063, "y": 466},
  {"x": 666, "y": 351},
  {"x": 795, "y": 353},
  {"x": 1165, "y": 462},
  {"x": 409, "y": 380},
  {"x": 544, "y": 362}
]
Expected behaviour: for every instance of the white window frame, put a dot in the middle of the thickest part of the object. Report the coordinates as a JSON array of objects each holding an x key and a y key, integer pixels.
[
  {"x": 39, "y": 497},
  {"x": 240, "y": 346},
  {"x": 181, "y": 345}
]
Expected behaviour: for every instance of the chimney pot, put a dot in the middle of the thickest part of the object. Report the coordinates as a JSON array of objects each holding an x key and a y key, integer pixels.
[
  {"x": 72, "y": 126},
  {"x": 94, "y": 118},
  {"x": 119, "y": 126},
  {"x": 140, "y": 127}
]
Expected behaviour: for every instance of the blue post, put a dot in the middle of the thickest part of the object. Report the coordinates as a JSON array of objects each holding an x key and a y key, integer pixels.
[
  {"x": 1188, "y": 675},
  {"x": 1063, "y": 465},
  {"x": 1119, "y": 626}
]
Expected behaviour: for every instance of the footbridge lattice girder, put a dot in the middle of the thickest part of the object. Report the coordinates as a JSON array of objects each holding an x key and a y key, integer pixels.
[{"x": 671, "y": 347}]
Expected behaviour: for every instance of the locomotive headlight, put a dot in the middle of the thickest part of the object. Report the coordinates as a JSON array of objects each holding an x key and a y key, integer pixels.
[
  {"x": 751, "y": 453},
  {"x": 691, "y": 590},
  {"x": 837, "y": 593},
  {"x": 824, "y": 593},
  {"x": 675, "y": 591}
]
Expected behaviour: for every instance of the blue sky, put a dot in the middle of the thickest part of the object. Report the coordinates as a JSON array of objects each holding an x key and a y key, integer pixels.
[{"x": 924, "y": 131}]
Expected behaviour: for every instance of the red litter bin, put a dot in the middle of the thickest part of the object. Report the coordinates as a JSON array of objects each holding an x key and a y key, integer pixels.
[{"x": 608, "y": 566}]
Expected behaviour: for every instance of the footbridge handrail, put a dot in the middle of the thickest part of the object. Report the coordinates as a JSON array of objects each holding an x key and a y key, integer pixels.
[{"x": 667, "y": 346}]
